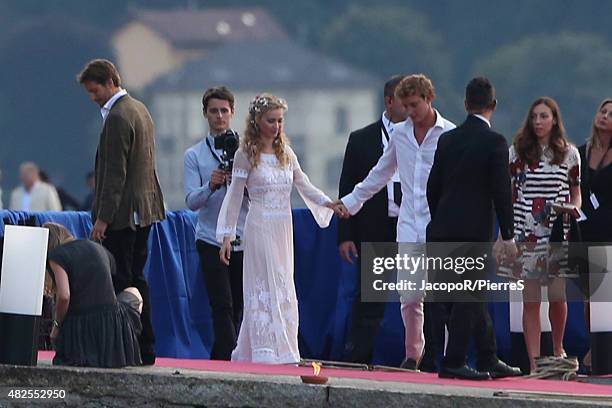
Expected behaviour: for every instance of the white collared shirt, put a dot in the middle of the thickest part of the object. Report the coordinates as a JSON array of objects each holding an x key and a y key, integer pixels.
[
  {"x": 390, "y": 127},
  {"x": 414, "y": 163},
  {"x": 485, "y": 120},
  {"x": 104, "y": 110}
]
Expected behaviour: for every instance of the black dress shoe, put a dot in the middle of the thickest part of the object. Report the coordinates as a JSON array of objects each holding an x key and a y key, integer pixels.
[
  {"x": 464, "y": 373},
  {"x": 501, "y": 370},
  {"x": 409, "y": 364},
  {"x": 584, "y": 369},
  {"x": 428, "y": 367},
  {"x": 148, "y": 358}
]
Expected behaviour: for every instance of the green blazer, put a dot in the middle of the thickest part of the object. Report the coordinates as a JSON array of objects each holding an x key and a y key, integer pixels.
[{"x": 126, "y": 179}]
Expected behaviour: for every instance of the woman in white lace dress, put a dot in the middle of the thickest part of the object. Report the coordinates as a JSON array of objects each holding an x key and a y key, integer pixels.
[{"x": 268, "y": 168}]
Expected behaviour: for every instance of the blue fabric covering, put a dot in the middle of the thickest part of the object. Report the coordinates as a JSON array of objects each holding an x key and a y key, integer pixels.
[{"x": 325, "y": 289}]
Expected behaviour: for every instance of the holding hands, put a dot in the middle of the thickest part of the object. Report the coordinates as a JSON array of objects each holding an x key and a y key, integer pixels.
[{"x": 339, "y": 209}]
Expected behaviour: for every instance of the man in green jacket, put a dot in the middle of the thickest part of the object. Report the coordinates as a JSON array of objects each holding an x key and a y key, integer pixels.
[{"x": 128, "y": 197}]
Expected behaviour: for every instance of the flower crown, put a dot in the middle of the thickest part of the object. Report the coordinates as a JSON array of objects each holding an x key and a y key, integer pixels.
[{"x": 262, "y": 103}]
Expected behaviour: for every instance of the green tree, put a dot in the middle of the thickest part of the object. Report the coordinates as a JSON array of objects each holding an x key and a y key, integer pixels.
[
  {"x": 388, "y": 40},
  {"x": 574, "y": 69},
  {"x": 46, "y": 115}
]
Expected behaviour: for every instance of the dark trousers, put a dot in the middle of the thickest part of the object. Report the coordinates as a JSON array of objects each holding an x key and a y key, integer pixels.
[
  {"x": 436, "y": 320},
  {"x": 366, "y": 316},
  {"x": 364, "y": 328},
  {"x": 470, "y": 320},
  {"x": 130, "y": 250},
  {"x": 224, "y": 287}
]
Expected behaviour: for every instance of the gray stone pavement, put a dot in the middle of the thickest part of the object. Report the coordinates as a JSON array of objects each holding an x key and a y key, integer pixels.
[{"x": 168, "y": 387}]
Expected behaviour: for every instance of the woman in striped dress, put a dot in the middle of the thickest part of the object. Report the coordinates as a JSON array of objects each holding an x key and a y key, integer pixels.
[{"x": 545, "y": 170}]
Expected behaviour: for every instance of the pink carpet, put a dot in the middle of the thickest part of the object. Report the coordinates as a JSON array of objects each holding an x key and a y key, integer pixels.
[{"x": 515, "y": 384}]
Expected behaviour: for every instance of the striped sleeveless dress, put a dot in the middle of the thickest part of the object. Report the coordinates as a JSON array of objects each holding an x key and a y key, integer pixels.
[{"x": 534, "y": 189}]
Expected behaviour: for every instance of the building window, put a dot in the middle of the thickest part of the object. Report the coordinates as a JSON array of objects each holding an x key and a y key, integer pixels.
[{"x": 341, "y": 120}]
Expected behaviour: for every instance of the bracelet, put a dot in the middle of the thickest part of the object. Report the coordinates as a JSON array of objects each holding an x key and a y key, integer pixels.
[{"x": 55, "y": 323}]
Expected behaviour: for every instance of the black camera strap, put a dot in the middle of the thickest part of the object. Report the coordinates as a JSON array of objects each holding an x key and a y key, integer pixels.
[{"x": 213, "y": 151}]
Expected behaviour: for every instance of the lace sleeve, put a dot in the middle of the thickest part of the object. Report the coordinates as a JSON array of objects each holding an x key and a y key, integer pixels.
[
  {"x": 314, "y": 198},
  {"x": 230, "y": 209}
]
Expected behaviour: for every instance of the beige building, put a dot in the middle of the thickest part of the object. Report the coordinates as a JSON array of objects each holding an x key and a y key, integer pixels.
[
  {"x": 155, "y": 43},
  {"x": 327, "y": 99}
]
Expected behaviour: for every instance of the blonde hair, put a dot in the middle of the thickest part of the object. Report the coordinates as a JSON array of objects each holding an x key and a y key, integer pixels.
[
  {"x": 594, "y": 140},
  {"x": 416, "y": 84},
  {"x": 251, "y": 142},
  {"x": 58, "y": 235}
]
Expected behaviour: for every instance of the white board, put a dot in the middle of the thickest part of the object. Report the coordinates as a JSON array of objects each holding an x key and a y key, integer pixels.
[
  {"x": 600, "y": 263},
  {"x": 23, "y": 270}
]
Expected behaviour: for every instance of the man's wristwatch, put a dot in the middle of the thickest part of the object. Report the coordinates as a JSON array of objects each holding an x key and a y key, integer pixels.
[{"x": 55, "y": 323}]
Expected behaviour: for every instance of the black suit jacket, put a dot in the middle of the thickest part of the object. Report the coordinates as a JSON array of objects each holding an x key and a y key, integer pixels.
[
  {"x": 363, "y": 150},
  {"x": 469, "y": 183}
]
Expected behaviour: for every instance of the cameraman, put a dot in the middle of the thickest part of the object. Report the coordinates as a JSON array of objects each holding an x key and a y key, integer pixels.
[{"x": 206, "y": 176}]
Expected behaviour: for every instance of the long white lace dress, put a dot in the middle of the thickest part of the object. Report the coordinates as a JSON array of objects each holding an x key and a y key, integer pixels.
[{"x": 269, "y": 330}]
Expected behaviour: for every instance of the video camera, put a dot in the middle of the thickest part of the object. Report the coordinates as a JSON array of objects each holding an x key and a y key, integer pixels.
[{"x": 228, "y": 142}]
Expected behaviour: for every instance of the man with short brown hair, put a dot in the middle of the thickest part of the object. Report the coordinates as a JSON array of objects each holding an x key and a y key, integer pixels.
[
  {"x": 205, "y": 182},
  {"x": 128, "y": 197}
]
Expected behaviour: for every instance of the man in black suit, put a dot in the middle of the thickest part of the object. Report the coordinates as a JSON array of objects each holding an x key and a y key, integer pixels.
[
  {"x": 376, "y": 222},
  {"x": 468, "y": 185}
]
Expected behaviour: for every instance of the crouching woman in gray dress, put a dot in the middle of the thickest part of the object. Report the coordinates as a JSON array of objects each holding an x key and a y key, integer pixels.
[{"x": 92, "y": 327}]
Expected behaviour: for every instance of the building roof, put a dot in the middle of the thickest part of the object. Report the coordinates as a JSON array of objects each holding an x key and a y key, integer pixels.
[
  {"x": 269, "y": 65},
  {"x": 201, "y": 28}
]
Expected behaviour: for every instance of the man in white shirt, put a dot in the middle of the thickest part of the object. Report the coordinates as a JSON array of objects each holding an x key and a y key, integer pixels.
[
  {"x": 34, "y": 194},
  {"x": 411, "y": 151}
]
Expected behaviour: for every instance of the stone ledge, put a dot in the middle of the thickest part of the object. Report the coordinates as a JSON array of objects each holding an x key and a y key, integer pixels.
[{"x": 164, "y": 387}]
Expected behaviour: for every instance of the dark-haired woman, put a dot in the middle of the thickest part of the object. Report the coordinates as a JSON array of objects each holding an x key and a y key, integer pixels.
[{"x": 545, "y": 170}]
